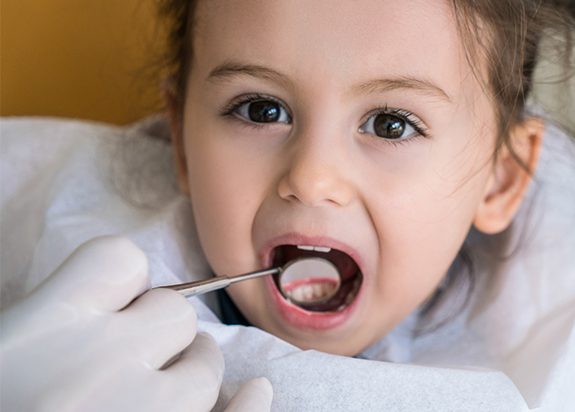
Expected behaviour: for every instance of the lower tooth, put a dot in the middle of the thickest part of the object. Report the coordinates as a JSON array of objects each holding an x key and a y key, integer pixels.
[
  {"x": 310, "y": 292},
  {"x": 318, "y": 291},
  {"x": 296, "y": 294}
]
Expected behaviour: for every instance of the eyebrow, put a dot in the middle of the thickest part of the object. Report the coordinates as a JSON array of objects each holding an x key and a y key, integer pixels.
[
  {"x": 230, "y": 69},
  {"x": 403, "y": 82}
]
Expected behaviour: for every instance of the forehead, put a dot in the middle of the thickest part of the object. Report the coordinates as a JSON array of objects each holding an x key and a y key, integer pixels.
[{"x": 343, "y": 41}]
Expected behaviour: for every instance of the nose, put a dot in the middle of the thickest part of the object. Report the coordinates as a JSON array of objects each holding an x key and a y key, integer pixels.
[{"x": 317, "y": 175}]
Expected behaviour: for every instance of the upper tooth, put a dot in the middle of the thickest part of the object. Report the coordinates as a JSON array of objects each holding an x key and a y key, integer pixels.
[
  {"x": 303, "y": 247},
  {"x": 315, "y": 248}
]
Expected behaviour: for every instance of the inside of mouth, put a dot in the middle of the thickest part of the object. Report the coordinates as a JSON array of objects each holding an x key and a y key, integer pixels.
[{"x": 307, "y": 292}]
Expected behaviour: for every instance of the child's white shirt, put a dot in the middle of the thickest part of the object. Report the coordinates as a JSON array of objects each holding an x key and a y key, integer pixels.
[{"x": 64, "y": 182}]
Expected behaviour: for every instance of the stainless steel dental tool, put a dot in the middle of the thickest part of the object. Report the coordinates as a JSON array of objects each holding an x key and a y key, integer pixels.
[{"x": 304, "y": 282}]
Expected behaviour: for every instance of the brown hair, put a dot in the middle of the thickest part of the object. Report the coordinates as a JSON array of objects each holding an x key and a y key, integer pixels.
[
  {"x": 178, "y": 16},
  {"x": 506, "y": 34}
]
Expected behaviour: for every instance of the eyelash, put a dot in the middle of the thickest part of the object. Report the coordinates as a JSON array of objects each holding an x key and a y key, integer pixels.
[{"x": 408, "y": 117}]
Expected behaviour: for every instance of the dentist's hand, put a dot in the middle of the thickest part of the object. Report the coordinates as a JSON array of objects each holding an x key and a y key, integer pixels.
[{"x": 79, "y": 343}]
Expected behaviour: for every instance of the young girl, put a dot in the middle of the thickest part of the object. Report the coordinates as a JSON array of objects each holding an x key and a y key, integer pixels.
[{"x": 391, "y": 138}]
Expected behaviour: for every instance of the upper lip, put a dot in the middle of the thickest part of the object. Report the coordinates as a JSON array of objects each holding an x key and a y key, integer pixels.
[{"x": 294, "y": 238}]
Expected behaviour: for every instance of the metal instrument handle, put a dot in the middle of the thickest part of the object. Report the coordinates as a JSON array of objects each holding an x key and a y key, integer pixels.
[{"x": 219, "y": 282}]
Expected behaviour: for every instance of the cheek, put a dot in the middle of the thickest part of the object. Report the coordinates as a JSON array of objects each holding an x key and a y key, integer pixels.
[
  {"x": 224, "y": 200},
  {"x": 423, "y": 214}
]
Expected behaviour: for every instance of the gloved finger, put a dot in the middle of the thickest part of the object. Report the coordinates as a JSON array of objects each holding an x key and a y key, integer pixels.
[
  {"x": 197, "y": 375},
  {"x": 104, "y": 274},
  {"x": 254, "y": 396},
  {"x": 155, "y": 327}
]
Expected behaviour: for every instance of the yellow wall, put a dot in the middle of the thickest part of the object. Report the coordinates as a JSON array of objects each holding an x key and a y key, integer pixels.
[{"x": 78, "y": 58}]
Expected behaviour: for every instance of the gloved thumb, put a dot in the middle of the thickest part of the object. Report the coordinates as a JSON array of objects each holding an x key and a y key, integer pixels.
[
  {"x": 103, "y": 274},
  {"x": 254, "y": 396}
]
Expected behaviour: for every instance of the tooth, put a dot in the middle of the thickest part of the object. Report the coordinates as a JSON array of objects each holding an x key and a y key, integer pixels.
[
  {"x": 308, "y": 293},
  {"x": 304, "y": 247},
  {"x": 316, "y": 291},
  {"x": 322, "y": 249},
  {"x": 321, "y": 290},
  {"x": 295, "y": 294}
]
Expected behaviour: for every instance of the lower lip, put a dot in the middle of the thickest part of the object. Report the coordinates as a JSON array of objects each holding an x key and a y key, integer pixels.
[{"x": 303, "y": 319}]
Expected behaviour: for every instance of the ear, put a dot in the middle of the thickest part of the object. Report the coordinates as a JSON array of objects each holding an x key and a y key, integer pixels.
[
  {"x": 509, "y": 180},
  {"x": 174, "y": 113}
]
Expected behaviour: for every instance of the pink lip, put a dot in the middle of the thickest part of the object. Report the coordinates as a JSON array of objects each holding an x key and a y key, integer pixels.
[{"x": 294, "y": 315}]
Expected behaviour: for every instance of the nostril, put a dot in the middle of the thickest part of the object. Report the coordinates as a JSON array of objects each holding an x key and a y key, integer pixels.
[{"x": 315, "y": 189}]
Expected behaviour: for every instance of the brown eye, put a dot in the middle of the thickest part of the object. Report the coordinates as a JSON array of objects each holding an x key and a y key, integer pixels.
[
  {"x": 388, "y": 126},
  {"x": 263, "y": 111},
  {"x": 392, "y": 126}
]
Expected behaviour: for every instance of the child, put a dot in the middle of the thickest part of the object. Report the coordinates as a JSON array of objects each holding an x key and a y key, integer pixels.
[{"x": 389, "y": 137}]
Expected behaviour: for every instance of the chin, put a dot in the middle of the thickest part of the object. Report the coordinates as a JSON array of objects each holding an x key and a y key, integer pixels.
[{"x": 345, "y": 340}]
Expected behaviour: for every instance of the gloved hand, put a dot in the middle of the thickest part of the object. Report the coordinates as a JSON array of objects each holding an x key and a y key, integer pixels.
[{"x": 79, "y": 343}]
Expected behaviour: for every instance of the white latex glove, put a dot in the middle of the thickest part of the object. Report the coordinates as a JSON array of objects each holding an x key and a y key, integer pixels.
[{"x": 78, "y": 344}]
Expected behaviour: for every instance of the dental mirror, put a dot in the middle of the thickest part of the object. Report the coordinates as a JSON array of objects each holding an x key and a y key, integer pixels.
[
  {"x": 304, "y": 282},
  {"x": 309, "y": 281}
]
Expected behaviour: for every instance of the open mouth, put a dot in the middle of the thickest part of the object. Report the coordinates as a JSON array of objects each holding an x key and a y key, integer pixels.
[{"x": 349, "y": 272}]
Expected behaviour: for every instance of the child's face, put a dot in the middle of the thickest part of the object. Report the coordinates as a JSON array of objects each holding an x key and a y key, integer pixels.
[{"x": 330, "y": 152}]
